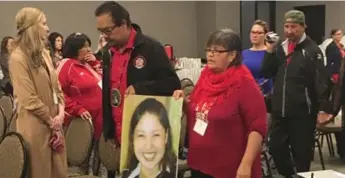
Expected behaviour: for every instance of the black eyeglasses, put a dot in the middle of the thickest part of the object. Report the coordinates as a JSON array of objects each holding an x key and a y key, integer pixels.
[
  {"x": 215, "y": 51},
  {"x": 107, "y": 30}
]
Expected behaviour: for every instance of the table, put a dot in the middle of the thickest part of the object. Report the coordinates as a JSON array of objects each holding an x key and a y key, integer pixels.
[{"x": 322, "y": 174}]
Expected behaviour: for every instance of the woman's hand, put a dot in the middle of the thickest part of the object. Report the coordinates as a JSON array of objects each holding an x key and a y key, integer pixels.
[
  {"x": 57, "y": 140},
  {"x": 90, "y": 57},
  {"x": 56, "y": 122},
  {"x": 86, "y": 115},
  {"x": 178, "y": 94},
  {"x": 244, "y": 171}
]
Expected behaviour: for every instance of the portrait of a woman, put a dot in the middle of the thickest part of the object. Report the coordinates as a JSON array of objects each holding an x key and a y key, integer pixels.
[{"x": 150, "y": 147}]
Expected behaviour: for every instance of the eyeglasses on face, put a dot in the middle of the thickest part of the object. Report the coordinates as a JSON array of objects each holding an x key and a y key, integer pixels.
[
  {"x": 215, "y": 51},
  {"x": 257, "y": 32},
  {"x": 107, "y": 30}
]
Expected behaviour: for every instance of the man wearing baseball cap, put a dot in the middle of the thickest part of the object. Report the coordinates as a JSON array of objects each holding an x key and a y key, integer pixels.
[{"x": 300, "y": 97}]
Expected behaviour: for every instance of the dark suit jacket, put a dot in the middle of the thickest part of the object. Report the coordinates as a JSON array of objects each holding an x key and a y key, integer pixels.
[
  {"x": 334, "y": 58},
  {"x": 157, "y": 78}
]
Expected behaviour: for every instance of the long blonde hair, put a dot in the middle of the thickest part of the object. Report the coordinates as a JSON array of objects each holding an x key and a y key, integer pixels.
[{"x": 29, "y": 35}]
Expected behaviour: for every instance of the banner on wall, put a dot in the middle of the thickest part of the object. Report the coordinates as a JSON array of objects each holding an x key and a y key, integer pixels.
[{"x": 150, "y": 136}]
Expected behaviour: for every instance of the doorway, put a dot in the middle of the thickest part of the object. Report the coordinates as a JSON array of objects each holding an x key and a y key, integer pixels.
[{"x": 315, "y": 19}]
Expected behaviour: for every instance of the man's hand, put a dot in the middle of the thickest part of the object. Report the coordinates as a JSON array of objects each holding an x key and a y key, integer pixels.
[
  {"x": 270, "y": 46},
  {"x": 130, "y": 91}
]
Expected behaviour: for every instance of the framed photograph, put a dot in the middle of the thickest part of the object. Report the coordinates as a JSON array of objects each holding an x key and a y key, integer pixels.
[{"x": 150, "y": 137}]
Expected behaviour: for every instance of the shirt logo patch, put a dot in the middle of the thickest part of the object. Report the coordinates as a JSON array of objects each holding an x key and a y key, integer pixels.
[
  {"x": 319, "y": 56},
  {"x": 139, "y": 62}
]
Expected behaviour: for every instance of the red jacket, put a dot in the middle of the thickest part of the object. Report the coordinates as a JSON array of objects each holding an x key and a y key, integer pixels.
[
  {"x": 219, "y": 152},
  {"x": 80, "y": 84}
]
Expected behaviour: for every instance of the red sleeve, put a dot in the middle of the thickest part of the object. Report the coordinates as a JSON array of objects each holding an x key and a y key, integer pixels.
[
  {"x": 252, "y": 107},
  {"x": 72, "y": 107}
]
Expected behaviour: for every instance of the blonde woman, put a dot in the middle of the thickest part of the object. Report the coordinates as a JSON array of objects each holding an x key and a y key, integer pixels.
[{"x": 39, "y": 97}]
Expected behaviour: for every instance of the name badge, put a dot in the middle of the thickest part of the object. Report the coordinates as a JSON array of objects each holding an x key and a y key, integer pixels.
[
  {"x": 200, "y": 127},
  {"x": 100, "y": 84},
  {"x": 55, "y": 98}
]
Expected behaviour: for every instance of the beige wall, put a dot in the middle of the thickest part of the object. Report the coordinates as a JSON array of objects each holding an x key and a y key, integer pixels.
[
  {"x": 169, "y": 22},
  {"x": 185, "y": 25},
  {"x": 213, "y": 15},
  {"x": 334, "y": 13}
]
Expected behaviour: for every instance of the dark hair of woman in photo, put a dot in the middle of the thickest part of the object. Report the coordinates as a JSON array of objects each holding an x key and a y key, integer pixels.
[{"x": 150, "y": 152}]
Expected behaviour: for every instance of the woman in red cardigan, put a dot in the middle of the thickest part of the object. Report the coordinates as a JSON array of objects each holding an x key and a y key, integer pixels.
[
  {"x": 81, "y": 81},
  {"x": 226, "y": 114}
]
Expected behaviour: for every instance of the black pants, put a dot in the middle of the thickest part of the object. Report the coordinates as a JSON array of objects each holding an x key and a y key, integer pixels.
[
  {"x": 198, "y": 174},
  {"x": 111, "y": 174},
  {"x": 340, "y": 137},
  {"x": 291, "y": 142}
]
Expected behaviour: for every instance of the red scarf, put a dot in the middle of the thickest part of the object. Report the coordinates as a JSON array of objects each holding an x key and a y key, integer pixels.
[{"x": 218, "y": 86}]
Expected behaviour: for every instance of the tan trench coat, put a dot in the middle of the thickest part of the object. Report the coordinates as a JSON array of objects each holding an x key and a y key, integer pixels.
[{"x": 34, "y": 94}]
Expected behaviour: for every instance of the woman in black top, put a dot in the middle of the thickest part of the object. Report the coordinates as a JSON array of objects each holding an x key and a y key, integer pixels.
[{"x": 6, "y": 48}]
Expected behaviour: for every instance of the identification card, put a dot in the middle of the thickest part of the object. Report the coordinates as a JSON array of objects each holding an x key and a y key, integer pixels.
[
  {"x": 200, "y": 127},
  {"x": 55, "y": 98},
  {"x": 100, "y": 84}
]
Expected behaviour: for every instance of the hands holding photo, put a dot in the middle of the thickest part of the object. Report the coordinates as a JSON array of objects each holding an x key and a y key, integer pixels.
[{"x": 179, "y": 94}]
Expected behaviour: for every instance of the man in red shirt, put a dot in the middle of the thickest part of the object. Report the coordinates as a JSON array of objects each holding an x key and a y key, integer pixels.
[{"x": 122, "y": 75}]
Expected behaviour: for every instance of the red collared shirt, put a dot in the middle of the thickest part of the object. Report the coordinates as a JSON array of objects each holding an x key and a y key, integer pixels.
[{"x": 119, "y": 78}]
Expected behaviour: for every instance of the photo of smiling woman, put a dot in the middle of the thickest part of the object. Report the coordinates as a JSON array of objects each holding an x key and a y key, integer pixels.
[{"x": 150, "y": 143}]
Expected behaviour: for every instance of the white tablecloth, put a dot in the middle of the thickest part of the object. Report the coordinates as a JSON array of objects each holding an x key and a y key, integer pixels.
[{"x": 322, "y": 174}]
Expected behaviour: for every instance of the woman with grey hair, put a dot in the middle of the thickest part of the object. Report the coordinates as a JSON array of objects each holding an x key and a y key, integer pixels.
[{"x": 226, "y": 114}]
